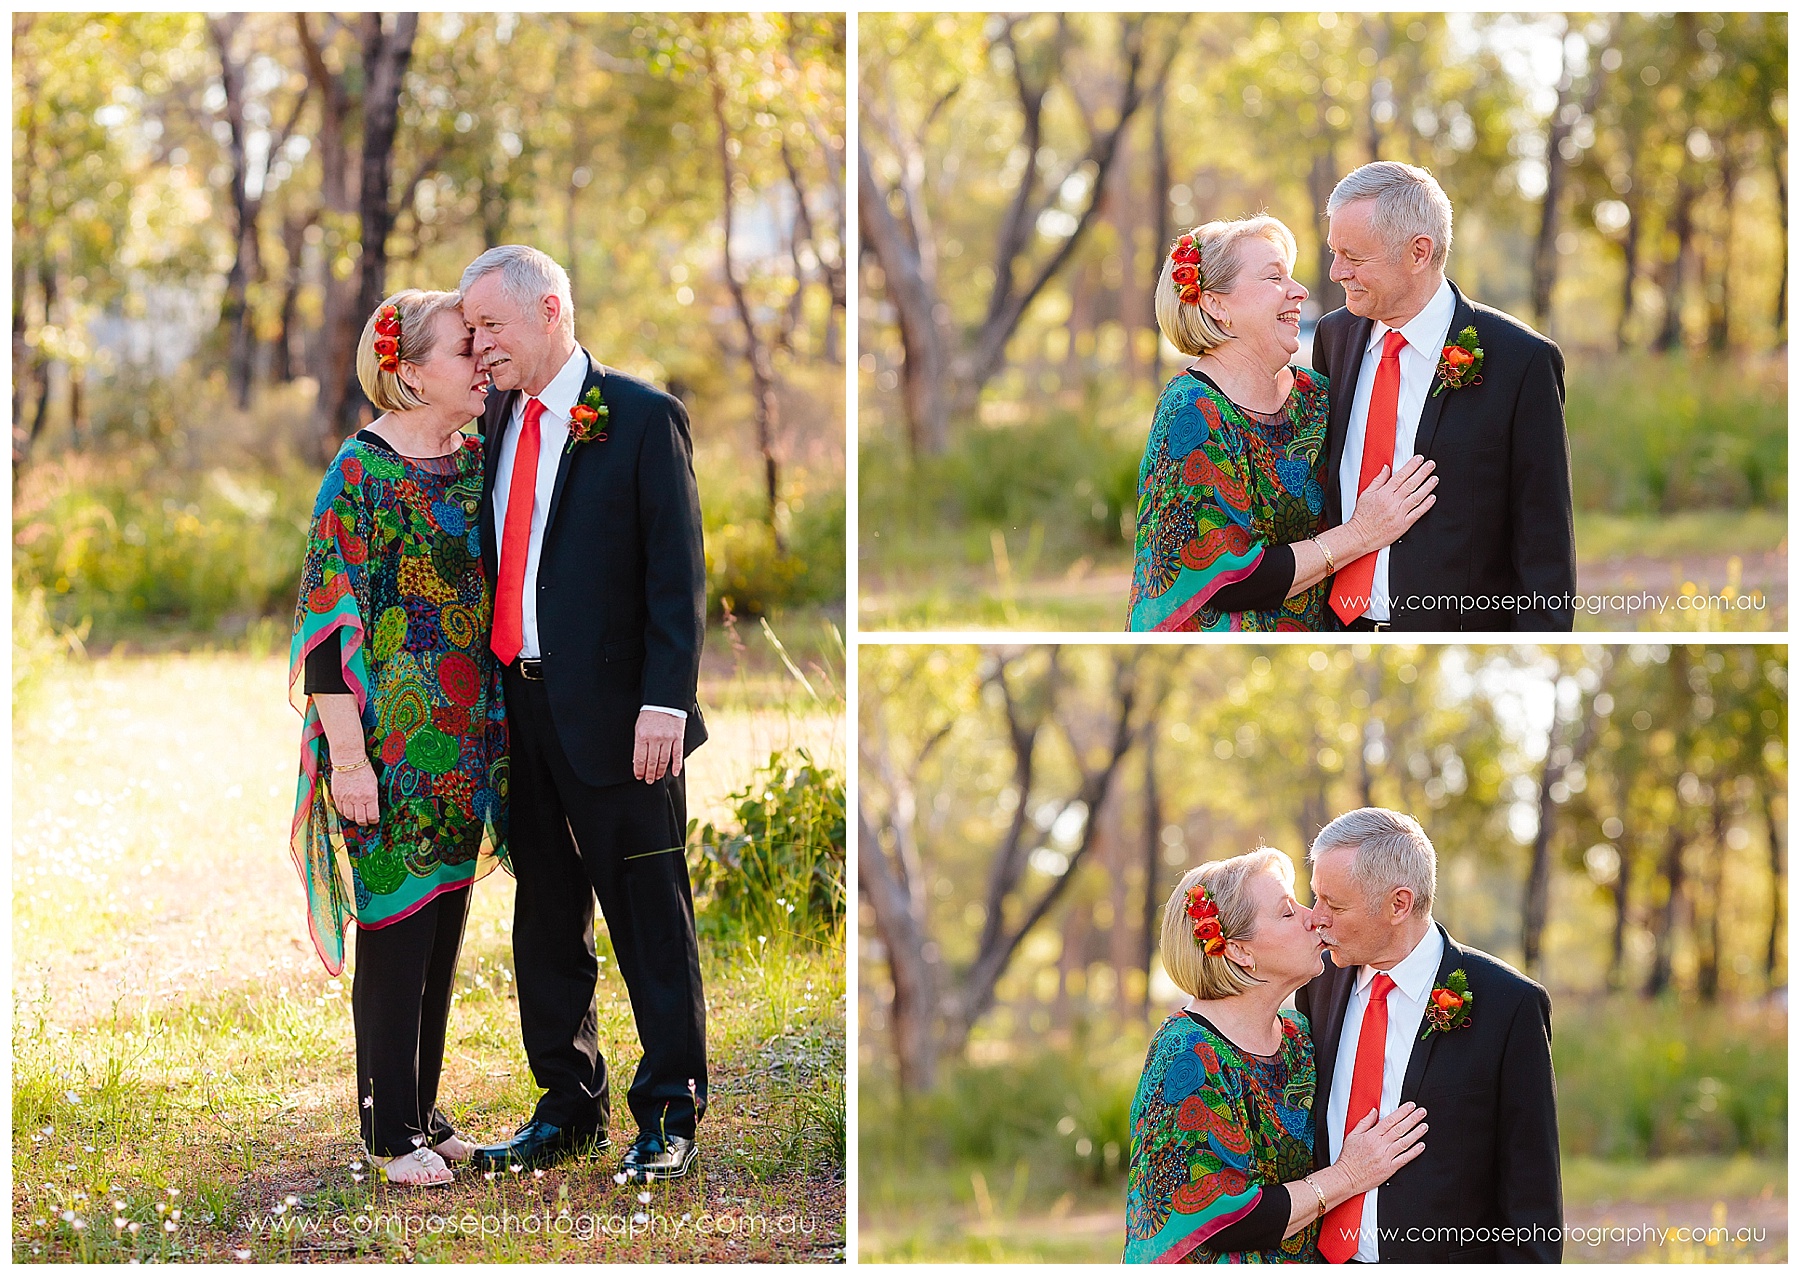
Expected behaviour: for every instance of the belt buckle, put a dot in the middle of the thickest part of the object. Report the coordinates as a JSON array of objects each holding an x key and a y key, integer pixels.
[{"x": 532, "y": 670}]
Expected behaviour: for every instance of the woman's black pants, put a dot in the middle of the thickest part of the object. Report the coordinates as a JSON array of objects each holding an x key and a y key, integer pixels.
[{"x": 400, "y": 1003}]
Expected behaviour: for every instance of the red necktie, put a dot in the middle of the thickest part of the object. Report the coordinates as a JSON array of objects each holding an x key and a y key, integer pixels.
[
  {"x": 515, "y": 544},
  {"x": 1350, "y": 587},
  {"x": 1340, "y": 1234}
]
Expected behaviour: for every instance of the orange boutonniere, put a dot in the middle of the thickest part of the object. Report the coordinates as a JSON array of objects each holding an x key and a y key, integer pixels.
[
  {"x": 1448, "y": 1005},
  {"x": 587, "y": 420},
  {"x": 1460, "y": 364}
]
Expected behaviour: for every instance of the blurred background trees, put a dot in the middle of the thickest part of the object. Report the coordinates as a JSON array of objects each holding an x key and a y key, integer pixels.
[
  {"x": 208, "y": 208},
  {"x": 1609, "y": 819},
  {"x": 1619, "y": 181}
]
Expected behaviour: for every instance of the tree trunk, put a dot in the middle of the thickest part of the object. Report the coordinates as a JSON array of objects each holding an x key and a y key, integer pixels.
[
  {"x": 1718, "y": 336},
  {"x": 1320, "y": 179},
  {"x": 1774, "y": 971},
  {"x": 42, "y": 364},
  {"x": 1678, "y": 268},
  {"x": 385, "y": 55},
  {"x": 293, "y": 239},
  {"x": 1153, "y": 823},
  {"x": 1621, "y": 893},
  {"x": 911, "y": 290},
  {"x": 1629, "y": 248},
  {"x": 756, "y": 349},
  {"x": 1673, "y": 873},
  {"x": 900, "y": 926},
  {"x": 1778, "y": 161},
  {"x": 1709, "y": 936},
  {"x": 1162, "y": 179},
  {"x": 234, "y": 308}
]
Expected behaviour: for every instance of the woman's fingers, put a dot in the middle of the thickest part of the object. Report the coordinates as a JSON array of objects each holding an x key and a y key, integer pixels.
[{"x": 1367, "y": 1123}]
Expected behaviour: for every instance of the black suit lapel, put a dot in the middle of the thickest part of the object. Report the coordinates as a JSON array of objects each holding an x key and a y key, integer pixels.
[
  {"x": 1461, "y": 317},
  {"x": 1327, "y": 1033},
  {"x": 595, "y": 378},
  {"x": 1350, "y": 361},
  {"x": 1421, "y": 1051}
]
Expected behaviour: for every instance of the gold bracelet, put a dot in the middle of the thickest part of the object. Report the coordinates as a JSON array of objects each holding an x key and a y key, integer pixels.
[
  {"x": 1308, "y": 1180},
  {"x": 350, "y": 766},
  {"x": 1330, "y": 567}
]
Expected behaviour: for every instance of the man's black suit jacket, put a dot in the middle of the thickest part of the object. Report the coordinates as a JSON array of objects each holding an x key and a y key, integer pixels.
[
  {"x": 1503, "y": 530},
  {"x": 621, "y": 582},
  {"x": 1491, "y": 1161}
]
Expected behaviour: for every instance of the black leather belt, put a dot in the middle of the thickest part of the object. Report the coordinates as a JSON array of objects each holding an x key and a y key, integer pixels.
[
  {"x": 529, "y": 668},
  {"x": 1362, "y": 624}
]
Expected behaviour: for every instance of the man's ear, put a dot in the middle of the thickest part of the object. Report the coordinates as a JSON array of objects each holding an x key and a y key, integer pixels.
[
  {"x": 1401, "y": 902},
  {"x": 552, "y": 309}
]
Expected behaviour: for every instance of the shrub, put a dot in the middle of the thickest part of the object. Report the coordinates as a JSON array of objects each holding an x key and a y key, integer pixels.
[{"x": 782, "y": 870}]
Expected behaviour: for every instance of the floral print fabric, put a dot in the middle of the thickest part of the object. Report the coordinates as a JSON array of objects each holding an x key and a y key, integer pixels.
[
  {"x": 393, "y": 568},
  {"x": 1217, "y": 486}
]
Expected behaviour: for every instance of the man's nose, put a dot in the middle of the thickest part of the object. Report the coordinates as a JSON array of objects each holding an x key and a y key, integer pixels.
[{"x": 1339, "y": 272}]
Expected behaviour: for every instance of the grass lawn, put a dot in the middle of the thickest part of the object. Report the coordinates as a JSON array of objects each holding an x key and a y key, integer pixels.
[
  {"x": 994, "y": 1214},
  {"x": 182, "y": 1075},
  {"x": 1650, "y": 562}
]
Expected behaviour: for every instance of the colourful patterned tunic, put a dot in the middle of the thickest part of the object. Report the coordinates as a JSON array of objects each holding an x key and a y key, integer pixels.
[
  {"x": 1211, "y": 1128},
  {"x": 393, "y": 570},
  {"x": 1217, "y": 486}
]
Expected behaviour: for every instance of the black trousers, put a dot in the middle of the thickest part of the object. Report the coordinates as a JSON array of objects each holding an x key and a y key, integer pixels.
[
  {"x": 623, "y": 845},
  {"x": 400, "y": 1004}
]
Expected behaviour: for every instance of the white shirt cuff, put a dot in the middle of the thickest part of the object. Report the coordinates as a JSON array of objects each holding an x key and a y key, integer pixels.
[{"x": 673, "y": 713}]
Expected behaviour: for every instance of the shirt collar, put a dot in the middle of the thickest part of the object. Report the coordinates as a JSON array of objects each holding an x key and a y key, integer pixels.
[
  {"x": 564, "y": 389},
  {"x": 1413, "y": 973},
  {"x": 1425, "y": 331}
]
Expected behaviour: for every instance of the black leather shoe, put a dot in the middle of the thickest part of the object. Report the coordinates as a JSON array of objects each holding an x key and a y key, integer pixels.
[
  {"x": 651, "y": 1156},
  {"x": 538, "y": 1145}
]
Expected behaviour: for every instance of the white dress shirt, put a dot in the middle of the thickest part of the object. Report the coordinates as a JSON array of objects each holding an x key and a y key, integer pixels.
[
  {"x": 559, "y": 399},
  {"x": 1413, "y": 977},
  {"x": 1425, "y": 333}
]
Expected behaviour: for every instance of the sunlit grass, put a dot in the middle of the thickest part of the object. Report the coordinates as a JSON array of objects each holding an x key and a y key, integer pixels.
[{"x": 177, "y": 1044}]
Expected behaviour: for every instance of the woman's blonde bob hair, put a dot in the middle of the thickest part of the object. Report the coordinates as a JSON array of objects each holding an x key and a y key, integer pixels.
[
  {"x": 1189, "y": 328},
  {"x": 1228, "y": 882},
  {"x": 418, "y": 338}
]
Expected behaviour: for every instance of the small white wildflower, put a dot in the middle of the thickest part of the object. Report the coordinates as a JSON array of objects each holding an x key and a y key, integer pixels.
[
  {"x": 134, "y": 1228},
  {"x": 290, "y": 1201},
  {"x": 643, "y": 1198},
  {"x": 619, "y": 1178},
  {"x": 640, "y": 1218},
  {"x": 175, "y": 1191},
  {"x": 515, "y": 1167},
  {"x": 357, "y": 1178},
  {"x": 492, "y": 1175},
  {"x": 71, "y": 1096},
  {"x": 242, "y": 1255},
  {"x": 538, "y": 1174},
  {"x": 119, "y": 1223},
  {"x": 119, "y": 1205},
  {"x": 169, "y": 1226},
  {"x": 356, "y": 1165},
  {"x": 68, "y": 1216},
  {"x": 79, "y": 1224},
  {"x": 368, "y": 1100}
]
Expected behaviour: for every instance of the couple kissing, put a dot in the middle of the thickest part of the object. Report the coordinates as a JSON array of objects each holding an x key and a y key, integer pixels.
[{"x": 1403, "y": 1111}]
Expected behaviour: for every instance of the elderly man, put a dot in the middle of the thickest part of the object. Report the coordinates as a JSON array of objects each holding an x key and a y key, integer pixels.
[
  {"x": 1417, "y": 368},
  {"x": 599, "y": 611},
  {"x": 1402, "y": 1013}
]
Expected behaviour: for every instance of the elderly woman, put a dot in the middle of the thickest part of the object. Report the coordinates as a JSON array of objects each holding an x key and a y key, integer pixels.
[
  {"x": 1230, "y": 532},
  {"x": 403, "y": 755},
  {"x": 1221, "y": 1129}
]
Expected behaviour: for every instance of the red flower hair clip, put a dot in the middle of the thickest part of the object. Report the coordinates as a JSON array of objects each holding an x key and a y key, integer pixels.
[
  {"x": 387, "y": 337},
  {"x": 1208, "y": 932},
  {"x": 1185, "y": 273}
]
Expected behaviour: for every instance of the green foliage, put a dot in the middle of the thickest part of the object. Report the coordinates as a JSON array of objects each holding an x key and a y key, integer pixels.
[
  {"x": 1653, "y": 434},
  {"x": 781, "y": 870},
  {"x": 1063, "y": 481},
  {"x": 747, "y": 572},
  {"x": 1067, "y": 1112},
  {"x": 1637, "y": 1079},
  {"x": 128, "y": 544}
]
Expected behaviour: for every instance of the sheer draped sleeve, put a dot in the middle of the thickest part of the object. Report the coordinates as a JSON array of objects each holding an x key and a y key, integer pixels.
[{"x": 333, "y": 605}]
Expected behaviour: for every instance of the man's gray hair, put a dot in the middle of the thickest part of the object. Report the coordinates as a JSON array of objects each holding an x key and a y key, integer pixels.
[
  {"x": 1408, "y": 203},
  {"x": 1391, "y": 850},
  {"x": 527, "y": 276}
]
